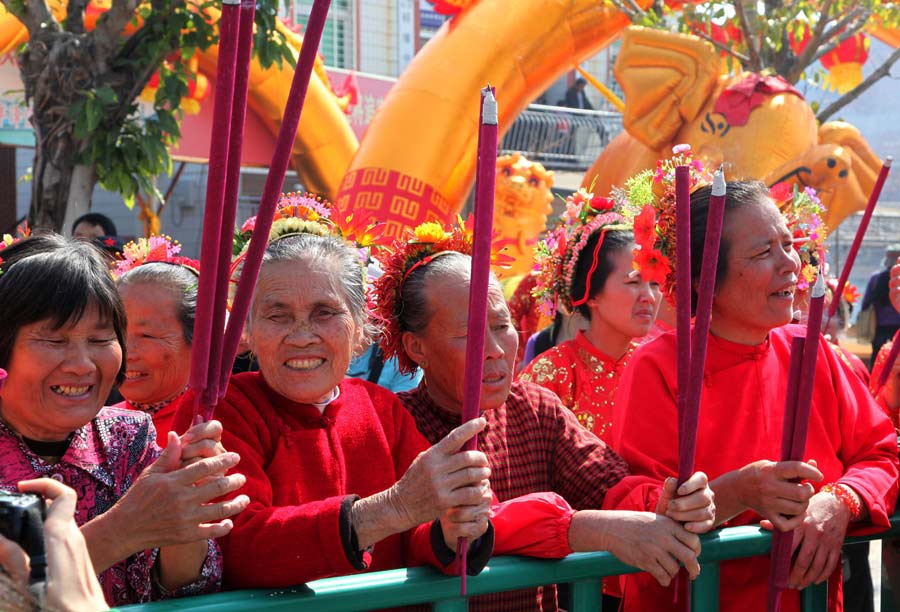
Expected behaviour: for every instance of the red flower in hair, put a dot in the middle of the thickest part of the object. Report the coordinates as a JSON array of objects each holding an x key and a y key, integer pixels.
[
  {"x": 654, "y": 266},
  {"x": 645, "y": 226},
  {"x": 601, "y": 204}
]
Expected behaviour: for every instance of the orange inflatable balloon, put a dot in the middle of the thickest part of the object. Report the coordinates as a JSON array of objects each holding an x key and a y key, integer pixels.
[
  {"x": 753, "y": 126},
  {"x": 417, "y": 160}
]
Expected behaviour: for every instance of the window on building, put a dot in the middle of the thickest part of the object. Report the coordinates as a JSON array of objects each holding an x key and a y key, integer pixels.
[{"x": 337, "y": 38}]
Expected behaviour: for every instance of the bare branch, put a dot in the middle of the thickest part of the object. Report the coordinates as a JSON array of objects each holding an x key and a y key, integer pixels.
[
  {"x": 755, "y": 63},
  {"x": 617, "y": 3},
  {"x": 109, "y": 28},
  {"x": 637, "y": 10},
  {"x": 721, "y": 47},
  {"x": 815, "y": 39},
  {"x": 75, "y": 16},
  {"x": 35, "y": 15},
  {"x": 879, "y": 73},
  {"x": 850, "y": 32}
]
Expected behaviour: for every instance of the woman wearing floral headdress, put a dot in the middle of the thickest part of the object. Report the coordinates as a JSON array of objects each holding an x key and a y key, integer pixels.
[
  {"x": 339, "y": 479},
  {"x": 586, "y": 264},
  {"x": 536, "y": 448},
  {"x": 850, "y": 475},
  {"x": 159, "y": 291}
]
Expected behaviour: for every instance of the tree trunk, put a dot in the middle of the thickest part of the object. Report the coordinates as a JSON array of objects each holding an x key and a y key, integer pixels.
[
  {"x": 81, "y": 189},
  {"x": 56, "y": 67}
]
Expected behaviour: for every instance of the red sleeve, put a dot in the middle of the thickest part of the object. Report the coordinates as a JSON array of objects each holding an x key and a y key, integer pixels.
[
  {"x": 535, "y": 525},
  {"x": 868, "y": 444}
]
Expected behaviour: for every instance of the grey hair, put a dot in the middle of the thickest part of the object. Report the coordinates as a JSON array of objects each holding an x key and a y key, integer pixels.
[
  {"x": 415, "y": 313},
  {"x": 325, "y": 249},
  {"x": 180, "y": 280}
]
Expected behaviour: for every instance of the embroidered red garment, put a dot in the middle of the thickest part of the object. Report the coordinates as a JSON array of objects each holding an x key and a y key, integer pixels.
[
  {"x": 301, "y": 466},
  {"x": 584, "y": 378},
  {"x": 741, "y": 415},
  {"x": 534, "y": 444},
  {"x": 736, "y": 102}
]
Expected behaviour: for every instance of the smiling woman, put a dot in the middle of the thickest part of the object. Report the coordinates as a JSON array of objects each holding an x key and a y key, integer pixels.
[
  {"x": 146, "y": 520},
  {"x": 160, "y": 300},
  {"x": 851, "y": 444},
  {"x": 334, "y": 465}
]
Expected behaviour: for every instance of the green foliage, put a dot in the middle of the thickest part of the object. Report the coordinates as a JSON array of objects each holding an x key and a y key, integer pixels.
[
  {"x": 128, "y": 146},
  {"x": 768, "y": 28}
]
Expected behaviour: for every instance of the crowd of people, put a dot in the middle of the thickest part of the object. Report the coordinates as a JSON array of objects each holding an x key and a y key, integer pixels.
[{"x": 308, "y": 473}]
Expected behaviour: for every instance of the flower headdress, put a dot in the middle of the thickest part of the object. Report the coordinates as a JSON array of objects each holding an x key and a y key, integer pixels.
[
  {"x": 556, "y": 256},
  {"x": 153, "y": 249},
  {"x": 424, "y": 243},
  {"x": 22, "y": 232},
  {"x": 648, "y": 199},
  {"x": 803, "y": 212}
]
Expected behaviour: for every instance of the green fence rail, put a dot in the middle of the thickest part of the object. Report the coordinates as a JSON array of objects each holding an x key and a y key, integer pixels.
[{"x": 421, "y": 585}]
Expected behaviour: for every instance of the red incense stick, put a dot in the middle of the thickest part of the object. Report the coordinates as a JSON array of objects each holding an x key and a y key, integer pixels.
[
  {"x": 480, "y": 278},
  {"x": 683, "y": 287},
  {"x": 860, "y": 232},
  {"x": 687, "y": 436}
]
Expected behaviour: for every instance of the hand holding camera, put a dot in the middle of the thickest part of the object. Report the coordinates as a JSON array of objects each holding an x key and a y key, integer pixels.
[{"x": 70, "y": 580}]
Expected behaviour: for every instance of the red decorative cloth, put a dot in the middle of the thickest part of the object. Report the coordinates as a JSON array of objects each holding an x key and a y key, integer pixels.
[
  {"x": 584, "y": 378},
  {"x": 534, "y": 444},
  {"x": 736, "y": 102},
  {"x": 742, "y": 411},
  {"x": 301, "y": 467},
  {"x": 880, "y": 360}
]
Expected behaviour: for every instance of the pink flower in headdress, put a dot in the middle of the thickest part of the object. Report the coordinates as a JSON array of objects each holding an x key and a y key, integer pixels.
[
  {"x": 681, "y": 148},
  {"x": 249, "y": 225}
]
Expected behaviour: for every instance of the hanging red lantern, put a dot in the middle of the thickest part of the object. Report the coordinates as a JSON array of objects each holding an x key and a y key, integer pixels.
[{"x": 844, "y": 63}]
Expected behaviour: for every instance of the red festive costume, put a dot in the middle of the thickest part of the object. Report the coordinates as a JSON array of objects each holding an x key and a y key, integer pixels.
[
  {"x": 880, "y": 360},
  {"x": 533, "y": 444},
  {"x": 584, "y": 378},
  {"x": 742, "y": 410},
  {"x": 658, "y": 329},
  {"x": 304, "y": 469}
]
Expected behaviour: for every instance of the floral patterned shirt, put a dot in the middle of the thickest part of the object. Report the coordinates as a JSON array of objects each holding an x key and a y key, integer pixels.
[
  {"x": 584, "y": 378},
  {"x": 103, "y": 460}
]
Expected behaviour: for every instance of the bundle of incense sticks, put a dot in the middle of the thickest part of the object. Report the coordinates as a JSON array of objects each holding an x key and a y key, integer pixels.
[
  {"x": 213, "y": 353},
  {"x": 798, "y": 402}
]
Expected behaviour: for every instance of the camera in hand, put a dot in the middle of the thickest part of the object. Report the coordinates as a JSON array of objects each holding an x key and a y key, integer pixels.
[{"x": 22, "y": 521}]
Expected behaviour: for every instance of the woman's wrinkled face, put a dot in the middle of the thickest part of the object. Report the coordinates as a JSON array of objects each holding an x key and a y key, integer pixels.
[
  {"x": 627, "y": 304},
  {"x": 58, "y": 379},
  {"x": 158, "y": 361},
  {"x": 301, "y": 329},
  {"x": 442, "y": 344},
  {"x": 757, "y": 294}
]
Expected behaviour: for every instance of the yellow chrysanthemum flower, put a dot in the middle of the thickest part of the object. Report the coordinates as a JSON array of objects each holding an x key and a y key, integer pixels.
[{"x": 430, "y": 231}]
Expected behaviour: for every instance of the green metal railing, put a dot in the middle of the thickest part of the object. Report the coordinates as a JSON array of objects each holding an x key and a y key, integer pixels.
[{"x": 583, "y": 571}]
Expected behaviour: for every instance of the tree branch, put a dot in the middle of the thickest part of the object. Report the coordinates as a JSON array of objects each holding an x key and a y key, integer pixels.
[
  {"x": 617, "y": 3},
  {"x": 721, "y": 47},
  {"x": 106, "y": 34},
  {"x": 35, "y": 15},
  {"x": 879, "y": 73},
  {"x": 815, "y": 39},
  {"x": 755, "y": 63},
  {"x": 850, "y": 32},
  {"x": 75, "y": 16}
]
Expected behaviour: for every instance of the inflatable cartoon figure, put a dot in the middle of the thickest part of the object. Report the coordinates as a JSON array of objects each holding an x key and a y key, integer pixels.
[
  {"x": 521, "y": 205},
  {"x": 757, "y": 126}
]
